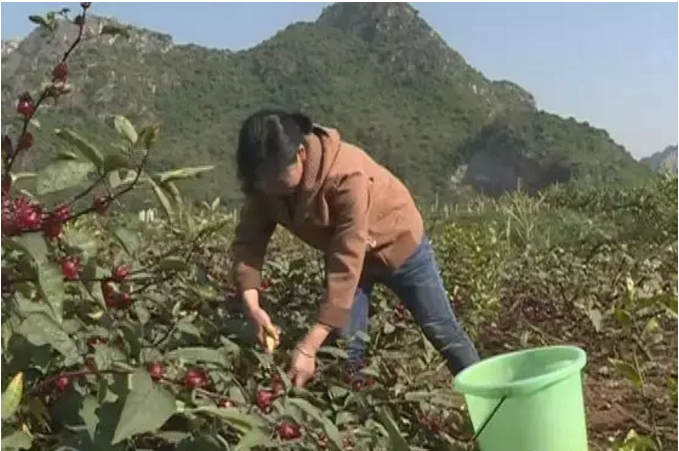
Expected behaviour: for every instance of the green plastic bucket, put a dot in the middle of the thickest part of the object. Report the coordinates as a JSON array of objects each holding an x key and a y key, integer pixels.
[{"x": 528, "y": 400}]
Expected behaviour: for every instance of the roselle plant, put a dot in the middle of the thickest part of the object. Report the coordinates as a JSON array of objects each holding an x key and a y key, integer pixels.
[
  {"x": 111, "y": 339},
  {"x": 121, "y": 330}
]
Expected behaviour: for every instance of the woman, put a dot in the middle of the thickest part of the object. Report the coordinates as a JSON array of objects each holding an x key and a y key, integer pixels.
[{"x": 334, "y": 197}]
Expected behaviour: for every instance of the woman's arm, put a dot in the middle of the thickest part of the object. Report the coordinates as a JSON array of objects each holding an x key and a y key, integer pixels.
[
  {"x": 248, "y": 248},
  {"x": 344, "y": 257}
]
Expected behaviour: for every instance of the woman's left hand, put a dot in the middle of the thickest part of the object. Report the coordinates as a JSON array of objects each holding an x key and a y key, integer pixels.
[{"x": 303, "y": 366}]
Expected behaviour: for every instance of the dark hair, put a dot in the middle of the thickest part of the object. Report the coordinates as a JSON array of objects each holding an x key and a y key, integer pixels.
[{"x": 269, "y": 139}]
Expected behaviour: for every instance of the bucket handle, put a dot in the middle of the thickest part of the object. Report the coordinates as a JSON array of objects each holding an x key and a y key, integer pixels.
[{"x": 487, "y": 421}]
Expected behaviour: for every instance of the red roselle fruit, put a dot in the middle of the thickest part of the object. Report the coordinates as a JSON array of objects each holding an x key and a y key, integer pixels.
[
  {"x": 27, "y": 213},
  {"x": 277, "y": 385},
  {"x": 124, "y": 300},
  {"x": 51, "y": 227},
  {"x": 288, "y": 431},
  {"x": 156, "y": 370},
  {"x": 109, "y": 292},
  {"x": 60, "y": 71},
  {"x": 265, "y": 398},
  {"x": 121, "y": 273},
  {"x": 63, "y": 383},
  {"x": 25, "y": 106},
  {"x": 52, "y": 224},
  {"x": 70, "y": 268},
  {"x": 62, "y": 213},
  {"x": 25, "y": 141},
  {"x": 195, "y": 378}
]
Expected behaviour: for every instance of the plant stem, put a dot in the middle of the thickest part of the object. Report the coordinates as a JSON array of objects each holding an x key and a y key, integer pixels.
[{"x": 45, "y": 93}]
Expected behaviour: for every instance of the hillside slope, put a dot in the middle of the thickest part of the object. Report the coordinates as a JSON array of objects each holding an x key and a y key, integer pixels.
[
  {"x": 376, "y": 70},
  {"x": 665, "y": 159}
]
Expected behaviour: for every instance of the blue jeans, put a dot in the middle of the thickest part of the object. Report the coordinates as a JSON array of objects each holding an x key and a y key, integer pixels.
[{"x": 419, "y": 286}]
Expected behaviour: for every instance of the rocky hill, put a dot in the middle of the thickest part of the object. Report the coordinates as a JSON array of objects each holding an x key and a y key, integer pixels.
[
  {"x": 377, "y": 71},
  {"x": 663, "y": 160}
]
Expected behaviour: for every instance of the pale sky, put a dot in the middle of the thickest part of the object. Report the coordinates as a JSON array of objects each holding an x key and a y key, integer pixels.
[{"x": 611, "y": 64}]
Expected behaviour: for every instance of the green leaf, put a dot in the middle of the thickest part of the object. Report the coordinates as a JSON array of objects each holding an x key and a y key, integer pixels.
[
  {"x": 38, "y": 20},
  {"x": 106, "y": 356},
  {"x": 40, "y": 330},
  {"x": 16, "y": 441},
  {"x": 329, "y": 427},
  {"x": 188, "y": 328},
  {"x": 635, "y": 442},
  {"x": 629, "y": 371},
  {"x": 254, "y": 438},
  {"x": 128, "y": 239},
  {"x": 125, "y": 129},
  {"x": 174, "y": 263},
  {"x": 87, "y": 150},
  {"x": 115, "y": 161},
  {"x": 147, "y": 407},
  {"x": 596, "y": 317},
  {"x": 81, "y": 240},
  {"x": 65, "y": 154},
  {"x": 162, "y": 198},
  {"x": 240, "y": 421},
  {"x": 114, "y": 30},
  {"x": 200, "y": 443},
  {"x": 23, "y": 175},
  {"x": 34, "y": 244},
  {"x": 88, "y": 413},
  {"x": 623, "y": 317},
  {"x": 652, "y": 333},
  {"x": 198, "y": 354},
  {"x": 183, "y": 173},
  {"x": 11, "y": 397},
  {"x": 51, "y": 286},
  {"x": 132, "y": 332},
  {"x": 62, "y": 175},
  {"x": 388, "y": 422},
  {"x": 213, "y": 227},
  {"x": 333, "y": 352},
  {"x": 149, "y": 135}
]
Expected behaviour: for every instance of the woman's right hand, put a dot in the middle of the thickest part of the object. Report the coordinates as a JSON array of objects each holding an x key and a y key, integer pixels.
[{"x": 260, "y": 318}]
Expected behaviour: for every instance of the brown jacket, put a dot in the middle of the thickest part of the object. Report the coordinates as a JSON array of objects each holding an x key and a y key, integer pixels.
[{"x": 354, "y": 210}]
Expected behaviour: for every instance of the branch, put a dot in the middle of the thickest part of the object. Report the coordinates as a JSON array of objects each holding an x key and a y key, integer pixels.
[{"x": 45, "y": 93}]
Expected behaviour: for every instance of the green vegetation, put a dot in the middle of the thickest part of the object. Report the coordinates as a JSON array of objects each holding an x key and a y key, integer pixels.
[
  {"x": 121, "y": 330},
  {"x": 378, "y": 72}
]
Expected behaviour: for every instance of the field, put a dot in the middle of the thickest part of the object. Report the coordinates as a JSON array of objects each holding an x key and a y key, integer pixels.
[{"x": 121, "y": 331}]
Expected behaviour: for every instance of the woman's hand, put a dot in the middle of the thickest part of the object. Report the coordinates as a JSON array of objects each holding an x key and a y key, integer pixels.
[
  {"x": 263, "y": 325},
  {"x": 303, "y": 363},
  {"x": 264, "y": 328},
  {"x": 302, "y": 367}
]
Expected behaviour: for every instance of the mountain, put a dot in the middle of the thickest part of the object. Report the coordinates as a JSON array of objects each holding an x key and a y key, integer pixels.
[
  {"x": 9, "y": 45},
  {"x": 666, "y": 159},
  {"x": 377, "y": 71}
]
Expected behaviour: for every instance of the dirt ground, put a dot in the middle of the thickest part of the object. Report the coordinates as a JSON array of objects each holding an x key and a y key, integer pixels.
[{"x": 613, "y": 405}]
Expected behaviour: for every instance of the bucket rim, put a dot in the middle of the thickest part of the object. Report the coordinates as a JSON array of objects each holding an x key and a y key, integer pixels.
[{"x": 464, "y": 385}]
